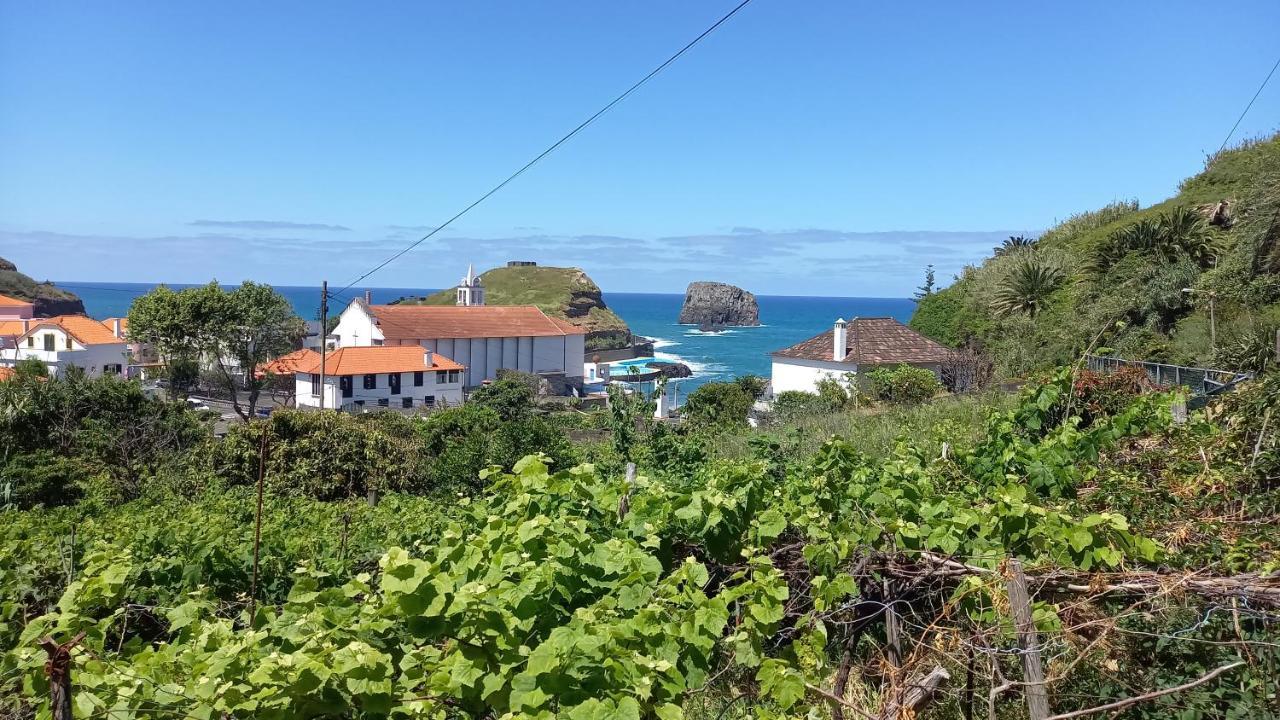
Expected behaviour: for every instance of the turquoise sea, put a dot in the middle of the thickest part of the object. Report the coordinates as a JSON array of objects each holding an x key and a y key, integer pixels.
[{"x": 712, "y": 356}]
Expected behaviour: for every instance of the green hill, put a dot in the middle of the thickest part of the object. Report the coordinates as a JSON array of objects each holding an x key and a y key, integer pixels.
[
  {"x": 49, "y": 300},
  {"x": 566, "y": 293},
  {"x": 1113, "y": 278}
]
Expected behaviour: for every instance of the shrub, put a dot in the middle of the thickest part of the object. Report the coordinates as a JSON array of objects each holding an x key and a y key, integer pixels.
[
  {"x": 718, "y": 405},
  {"x": 903, "y": 385},
  {"x": 1105, "y": 394},
  {"x": 511, "y": 396},
  {"x": 458, "y": 443}
]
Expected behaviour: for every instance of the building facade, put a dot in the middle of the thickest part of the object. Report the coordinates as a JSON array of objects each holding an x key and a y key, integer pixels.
[
  {"x": 484, "y": 339},
  {"x": 66, "y": 340},
  {"x": 368, "y": 378},
  {"x": 852, "y": 347}
]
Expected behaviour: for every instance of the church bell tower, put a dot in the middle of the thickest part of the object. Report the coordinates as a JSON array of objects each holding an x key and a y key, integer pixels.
[{"x": 470, "y": 290}]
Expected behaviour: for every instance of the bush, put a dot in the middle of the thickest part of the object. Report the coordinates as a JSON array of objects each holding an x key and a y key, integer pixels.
[
  {"x": 458, "y": 443},
  {"x": 511, "y": 396},
  {"x": 903, "y": 385},
  {"x": 793, "y": 404},
  {"x": 721, "y": 405},
  {"x": 1105, "y": 394}
]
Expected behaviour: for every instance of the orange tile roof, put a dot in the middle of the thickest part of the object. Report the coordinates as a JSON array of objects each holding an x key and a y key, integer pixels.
[
  {"x": 85, "y": 330},
  {"x": 6, "y": 301},
  {"x": 6, "y": 373},
  {"x": 124, "y": 324},
  {"x": 383, "y": 359},
  {"x": 415, "y": 322},
  {"x": 872, "y": 341},
  {"x": 289, "y": 364},
  {"x": 13, "y": 327}
]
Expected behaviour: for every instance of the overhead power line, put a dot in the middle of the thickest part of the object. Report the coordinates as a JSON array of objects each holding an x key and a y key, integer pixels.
[
  {"x": 552, "y": 148},
  {"x": 1261, "y": 87}
]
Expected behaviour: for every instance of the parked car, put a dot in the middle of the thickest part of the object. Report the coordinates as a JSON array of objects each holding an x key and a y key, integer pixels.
[{"x": 197, "y": 405}]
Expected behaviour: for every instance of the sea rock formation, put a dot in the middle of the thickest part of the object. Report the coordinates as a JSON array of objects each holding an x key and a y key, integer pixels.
[
  {"x": 717, "y": 304},
  {"x": 48, "y": 299}
]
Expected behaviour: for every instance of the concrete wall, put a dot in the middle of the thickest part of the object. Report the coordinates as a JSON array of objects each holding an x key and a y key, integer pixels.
[{"x": 443, "y": 392}]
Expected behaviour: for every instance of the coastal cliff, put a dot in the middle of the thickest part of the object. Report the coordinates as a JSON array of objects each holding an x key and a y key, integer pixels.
[
  {"x": 566, "y": 293},
  {"x": 718, "y": 304},
  {"x": 48, "y": 299}
]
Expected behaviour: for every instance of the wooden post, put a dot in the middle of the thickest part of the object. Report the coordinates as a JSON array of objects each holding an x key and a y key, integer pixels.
[
  {"x": 1032, "y": 671},
  {"x": 1179, "y": 411},
  {"x": 58, "y": 670},
  {"x": 892, "y": 631}
]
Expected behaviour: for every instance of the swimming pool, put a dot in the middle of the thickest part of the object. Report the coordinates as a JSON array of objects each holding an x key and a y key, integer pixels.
[{"x": 624, "y": 366}]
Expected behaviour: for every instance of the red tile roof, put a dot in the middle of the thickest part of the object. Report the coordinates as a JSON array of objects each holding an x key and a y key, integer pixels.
[
  {"x": 373, "y": 360},
  {"x": 6, "y": 301},
  {"x": 85, "y": 330},
  {"x": 872, "y": 341},
  {"x": 6, "y": 373},
  {"x": 14, "y": 327},
  {"x": 289, "y": 364},
  {"x": 415, "y": 322},
  {"x": 109, "y": 324}
]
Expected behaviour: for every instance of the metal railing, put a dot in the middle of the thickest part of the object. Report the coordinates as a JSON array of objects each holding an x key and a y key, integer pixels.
[{"x": 1203, "y": 382}]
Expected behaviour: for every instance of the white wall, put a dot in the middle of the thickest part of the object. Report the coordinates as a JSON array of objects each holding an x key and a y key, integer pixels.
[
  {"x": 446, "y": 392},
  {"x": 356, "y": 327},
  {"x": 803, "y": 375},
  {"x": 91, "y": 358}
]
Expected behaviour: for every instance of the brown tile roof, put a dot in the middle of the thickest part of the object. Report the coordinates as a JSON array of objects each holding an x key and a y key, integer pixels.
[
  {"x": 872, "y": 341},
  {"x": 6, "y": 301},
  {"x": 413, "y": 322},
  {"x": 289, "y": 364},
  {"x": 85, "y": 330},
  {"x": 383, "y": 359}
]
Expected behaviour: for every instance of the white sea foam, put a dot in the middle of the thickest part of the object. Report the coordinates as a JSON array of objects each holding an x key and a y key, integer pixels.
[
  {"x": 717, "y": 333},
  {"x": 698, "y": 369},
  {"x": 663, "y": 342}
]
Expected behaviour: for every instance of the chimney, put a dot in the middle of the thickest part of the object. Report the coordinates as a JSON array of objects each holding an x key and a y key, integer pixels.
[
  {"x": 428, "y": 358},
  {"x": 840, "y": 340},
  {"x": 26, "y": 325},
  {"x": 368, "y": 297},
  {"x": 115, "y": 327}
]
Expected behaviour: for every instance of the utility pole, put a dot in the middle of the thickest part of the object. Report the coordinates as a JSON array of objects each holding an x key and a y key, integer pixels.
[{"x": 324, "y": 333}]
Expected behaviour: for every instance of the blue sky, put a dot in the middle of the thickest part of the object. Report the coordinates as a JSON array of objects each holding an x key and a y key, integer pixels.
[{"x": 821, "y": 148}]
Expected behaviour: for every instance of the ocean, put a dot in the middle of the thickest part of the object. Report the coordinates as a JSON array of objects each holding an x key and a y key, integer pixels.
[{"x": 785, "y": 320}]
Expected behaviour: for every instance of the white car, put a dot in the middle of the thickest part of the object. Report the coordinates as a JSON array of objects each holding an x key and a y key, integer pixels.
[{"x": 194, "y": 404}]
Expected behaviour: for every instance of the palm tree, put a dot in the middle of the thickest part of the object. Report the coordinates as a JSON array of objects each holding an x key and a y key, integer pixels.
[
  {"x": 1184, "y": 230},
  {"x": 1027, "y": 287},
  {"x": 1013, "y": 244}
]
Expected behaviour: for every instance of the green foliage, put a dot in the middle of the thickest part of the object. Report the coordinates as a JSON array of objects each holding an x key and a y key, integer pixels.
[
  {"x": 62, "y": 439},
  {"x": 457, "y": 444},
  {"x": 511, "y": 396},
  {"x": 722, "y": 405},
  {"x": 323, "y": 455},
  {"x": 1027, "y": 288},
  {"x": 903, "y": 385}
]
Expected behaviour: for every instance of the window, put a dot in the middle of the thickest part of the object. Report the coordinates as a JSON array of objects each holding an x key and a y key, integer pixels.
[
  {"x": 347, "y": 385},
  {"x": 68, "y": 342},
  {"x": 48, "y": 342},
  {"x": 454, "y": 375},
  {"x": 417, "y": 379},
  {"x": 429, "y": 400},
  {"x": 370, "y": 382},
  {"x": 406, "y": 402},
  {"x": 112, "y": 368},
  {"x": 377, "y": 343},
  {"x": 442, "y": 376},
  {"x": 393, "y": 382},
  {"x": 31, "y": 341},
  {"x": 315, "y": 383},
  {"x": 384, "y": 402}
]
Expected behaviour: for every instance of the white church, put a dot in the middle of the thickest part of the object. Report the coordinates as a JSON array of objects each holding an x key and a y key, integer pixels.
[{"x": 482, "y": 338}]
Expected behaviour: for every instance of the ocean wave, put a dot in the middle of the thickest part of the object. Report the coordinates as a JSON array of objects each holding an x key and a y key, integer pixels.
[
  {"x": 717, "y": 333},
  {"x": 663, "y": 342},
  {"x": 699, "y": 369}
]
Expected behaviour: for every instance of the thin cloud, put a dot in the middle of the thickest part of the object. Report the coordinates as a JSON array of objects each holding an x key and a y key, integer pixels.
[{"x": 267, "y": 225}]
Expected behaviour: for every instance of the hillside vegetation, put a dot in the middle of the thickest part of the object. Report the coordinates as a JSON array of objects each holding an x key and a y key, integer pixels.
[
  {"x": 567, "y": 293},
  {"x": 1115, "y": 276},
  {"x": 48, "y": 299}
]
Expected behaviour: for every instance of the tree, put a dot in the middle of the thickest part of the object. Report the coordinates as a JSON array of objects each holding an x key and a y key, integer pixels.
[
  {"x": 926, "y": 289},
  {"x": 718, "y": 405},
  {"x": 233, "y": 332},
  {"x": 510, "y": 396},
  {"x": 259, "y": 325},
  {"x": 1027, "y": 287},
  {"x": 1013, "y": 244}
]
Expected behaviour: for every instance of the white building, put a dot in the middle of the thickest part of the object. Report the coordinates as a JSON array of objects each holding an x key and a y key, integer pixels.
[
  {"x": 470, "y": 290},
  {"x": 374, "y": 377},
  {"x": 68, "y": 340},
  {"x": 862, "y": 344},
  {"x": 483, "y": 338}
]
